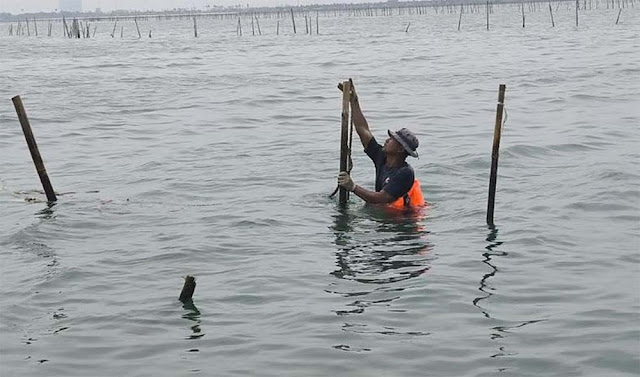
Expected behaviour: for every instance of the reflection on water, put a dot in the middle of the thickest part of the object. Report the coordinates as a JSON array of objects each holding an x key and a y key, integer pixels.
[
  {"x": 485, "y": 288},
  {"x": 193, "y": 314},
  {"x": 375, "y": 247},
  {"x": 377, "y": 254}
]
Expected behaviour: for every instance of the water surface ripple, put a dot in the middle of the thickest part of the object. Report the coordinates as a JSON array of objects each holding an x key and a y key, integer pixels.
[{"x": 214, "y": 156}]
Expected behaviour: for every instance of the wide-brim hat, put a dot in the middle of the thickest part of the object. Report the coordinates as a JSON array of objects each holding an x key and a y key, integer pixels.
[{"x": 407, "y": 139}]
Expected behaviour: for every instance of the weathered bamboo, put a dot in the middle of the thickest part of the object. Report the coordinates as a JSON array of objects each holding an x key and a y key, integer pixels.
[
  {"x": 306, "y": 25},
  {"x": 187, "y": 289},
  {"x": 239, "y": 27},
  {"x": 113, "y": 33},
  {"x": 497, "y": 133},
  {"x": 121, "y": 31},
  {"x": 35, "y": 26},
  {"x": 344, "y": 138},
  {"x": 293, "y": 20},
  {"x": 487, "y": 15},
  {"x": 317, "y": 24},
  {"x": 407, "y": 29},
  {"x": 278, "y": 28},
  {"x": 253, "y": 32},
  {"x": 577, "y": 6},
  {"x": 553, "y": 24},
  {"x": 258, "y": 25},
  {"x": 618, "y": 19},
  {"x": 28, "y": 31},
  {"x": 137, "y": 28},
  {"x": 460, "y": 19},
  {"x": 195, "y": 27},
  {"x": 33, "y": 148},
  {"x": 522, "y": 7}
]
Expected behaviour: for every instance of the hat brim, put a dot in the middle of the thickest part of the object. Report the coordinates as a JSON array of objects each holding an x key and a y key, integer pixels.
[{"x": 397, "y": 138}]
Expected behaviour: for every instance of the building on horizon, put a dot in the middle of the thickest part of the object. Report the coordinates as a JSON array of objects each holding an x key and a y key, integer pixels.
[{"x": 70, "y": 6}]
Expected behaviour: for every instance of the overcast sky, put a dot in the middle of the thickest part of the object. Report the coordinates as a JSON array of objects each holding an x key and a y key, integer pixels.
[{"x": 24, "y": 6}]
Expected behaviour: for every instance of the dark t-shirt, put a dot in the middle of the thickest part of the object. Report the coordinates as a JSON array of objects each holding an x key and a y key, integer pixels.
[{"x": 396, "y": 181}]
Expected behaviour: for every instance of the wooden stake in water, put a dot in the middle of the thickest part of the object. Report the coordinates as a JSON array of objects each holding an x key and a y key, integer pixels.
[
  {"x": 553, "y": 24},
  {"x": 344, "y": 138},
  {"x": 618, "y": 19},
  {"x": 577, "y": 6},
  {"x": 258, "y": 25},
  {"x": 113, "y": 33},
  {"x": 407, "y": 29},
  {"x": 33, "y": 148},
  {"x": 522, "y": 7},
  {"x": 278, "y": 28},
  {"x": 317, "y": 24},
  {"x": 187, "y": 289},
  {"x": 460, "y": 19},
  {"x": 195, "y": 27},
  {"x": 487, "y": 15},
  {"x": 137, "y": 28},
  {"x": 497, "y": 133},
  {"x": 293, "y": 20}
]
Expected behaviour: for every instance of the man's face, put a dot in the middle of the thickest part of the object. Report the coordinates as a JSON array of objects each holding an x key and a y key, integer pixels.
[{"x": 391, "y": 145}]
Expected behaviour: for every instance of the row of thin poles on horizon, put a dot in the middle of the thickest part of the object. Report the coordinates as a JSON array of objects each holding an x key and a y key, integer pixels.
[{"x": 80, "y": 29}]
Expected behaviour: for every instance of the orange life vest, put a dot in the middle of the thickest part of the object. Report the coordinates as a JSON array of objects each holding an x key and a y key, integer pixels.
[{"x": 413, "y": 198}]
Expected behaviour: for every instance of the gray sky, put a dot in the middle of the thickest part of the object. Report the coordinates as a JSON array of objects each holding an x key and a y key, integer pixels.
[{"x": 23, "y": 6}]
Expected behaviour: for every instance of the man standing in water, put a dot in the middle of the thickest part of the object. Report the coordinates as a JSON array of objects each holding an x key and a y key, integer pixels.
[{"x": 395, "y": 181}]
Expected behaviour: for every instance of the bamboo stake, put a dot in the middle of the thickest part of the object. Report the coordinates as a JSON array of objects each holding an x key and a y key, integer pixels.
[
  {"x": 522, "y": 7},
  {"x": 577, "y": 6},
  {"x": 121, "y": 31},
  {"x": 306, "y": 25},
  {"x": 344, "y": 138},
  {"x": 239, "y": 29},
  {"x": 487, "y": 15},
  {"x": 28, "y": 31},
  {"x": 407, "y": 29},
  {"x": 460, "y": 19},
  {"x": 293, "y": 20},
  {"x": 618, "y": 19},
  {"x": 258, "y": 25},
  {"x": 278, "y": 28},
  {"x": 35, "y": 26},
  {"x": 195, "y": 27},
  {"x": 114, "y": 28},
  {"x": 497, "y": 133},
  {"x": 137, "y": 28},
  {"x": 317, "y": 23},
  {"x": 33, "y": 148},
  {"x": 551, "y": 13},
  {"x": 253, "y": 32}
]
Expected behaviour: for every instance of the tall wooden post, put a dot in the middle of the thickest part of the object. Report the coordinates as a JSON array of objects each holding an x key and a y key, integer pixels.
[
  {"x": 293, "y": 20},
  {"x": 33, "y": 148},
  {"x": 497, "y": 132},
  {"x": 344, "y": 138}
]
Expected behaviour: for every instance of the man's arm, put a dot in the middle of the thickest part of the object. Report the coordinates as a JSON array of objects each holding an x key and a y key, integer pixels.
[
  {"x": 359, "y": 121},
  {"x": 380, "y": 197}
]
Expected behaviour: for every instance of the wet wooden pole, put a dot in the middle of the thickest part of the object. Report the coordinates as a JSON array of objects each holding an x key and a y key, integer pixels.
[
  {"x": 487, "y": 15},
  {"x": 553, "y": 24},
  {"x": 577, "y": 7},
  {"x": 33, "y": 148},
  {"x": 137, "y": 28},
  {"x": 187, "y": 289},
  {"x": 344, "y": 139},
  {"x": 460, "y": 19},
  {"x": 497, "y": 133},
  {"x": 293, "y": 20}
]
